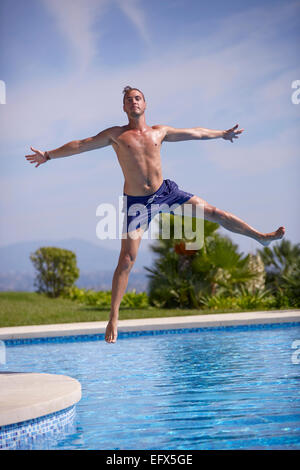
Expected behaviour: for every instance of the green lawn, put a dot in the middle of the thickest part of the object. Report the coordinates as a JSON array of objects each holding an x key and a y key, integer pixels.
[{"x": 29, "y": 308}]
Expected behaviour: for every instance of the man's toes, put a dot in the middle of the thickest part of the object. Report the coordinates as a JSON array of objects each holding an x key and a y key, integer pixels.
[{"x": 110, "y": 339}]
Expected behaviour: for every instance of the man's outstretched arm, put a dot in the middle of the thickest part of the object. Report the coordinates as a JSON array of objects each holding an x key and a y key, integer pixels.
[
  {"x": 199, "y": 133},
  {"x": 100, "y": 140}
]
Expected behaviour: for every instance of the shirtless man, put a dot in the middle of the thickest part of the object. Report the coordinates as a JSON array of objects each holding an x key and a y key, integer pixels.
[{"x": 137, "y": 146}]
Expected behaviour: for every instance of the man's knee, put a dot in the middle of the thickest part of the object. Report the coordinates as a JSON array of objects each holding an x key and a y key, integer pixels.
[
  {"x": 211, "y": 212},
  {"x": 126, "y": 261}
]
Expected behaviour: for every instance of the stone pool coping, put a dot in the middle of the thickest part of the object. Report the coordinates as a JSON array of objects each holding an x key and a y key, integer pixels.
[
  {"x": 26, "y": 396},
  {"x": 146, "y": 324}
]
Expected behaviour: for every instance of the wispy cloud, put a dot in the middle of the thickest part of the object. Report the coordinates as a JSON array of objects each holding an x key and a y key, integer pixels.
[
  {"x": 76, "y": 21},
  {"x": 133, "y": 10}
]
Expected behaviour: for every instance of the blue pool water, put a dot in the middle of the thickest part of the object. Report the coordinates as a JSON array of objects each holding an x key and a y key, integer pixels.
[{"x": 223, "y": 389}]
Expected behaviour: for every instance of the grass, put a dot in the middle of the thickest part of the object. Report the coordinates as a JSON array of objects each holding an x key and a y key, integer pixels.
[{"x": 30, "y": 308}]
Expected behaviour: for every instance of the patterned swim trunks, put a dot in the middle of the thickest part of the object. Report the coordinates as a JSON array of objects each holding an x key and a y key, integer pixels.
[{"x": 140, "y": 210}]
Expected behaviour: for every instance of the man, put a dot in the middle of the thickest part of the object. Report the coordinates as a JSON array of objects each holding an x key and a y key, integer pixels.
[{"x": 137, "y": 146}]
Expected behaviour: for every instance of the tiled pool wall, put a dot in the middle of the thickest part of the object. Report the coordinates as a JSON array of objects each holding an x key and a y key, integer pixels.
[
  {"x": 26, "y": 433},
  {"x": 129, "y": 334}
]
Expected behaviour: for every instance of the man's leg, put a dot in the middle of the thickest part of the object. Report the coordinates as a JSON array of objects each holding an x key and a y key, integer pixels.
[
  {"x": 128, "y": 254},
  {"x": 234, "y": 224}
]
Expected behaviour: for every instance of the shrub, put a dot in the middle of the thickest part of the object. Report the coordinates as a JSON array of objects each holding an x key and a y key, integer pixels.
[
  {"x": 56, "y": 270},
  {"x": 102, "y": 299},
  {"x": 243, "y": 299}
]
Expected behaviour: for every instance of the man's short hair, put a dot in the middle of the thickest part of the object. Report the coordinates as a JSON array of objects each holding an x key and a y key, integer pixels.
[{"x": 127, "y": 89}]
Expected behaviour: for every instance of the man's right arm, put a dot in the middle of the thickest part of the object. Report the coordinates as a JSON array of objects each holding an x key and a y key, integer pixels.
[{"x": 103, "y": 139}]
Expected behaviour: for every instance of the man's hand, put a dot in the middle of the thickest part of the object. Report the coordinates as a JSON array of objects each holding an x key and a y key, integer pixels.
[
  {"x": 232, "y": 133},
  {"x": 38, "y": 157}
]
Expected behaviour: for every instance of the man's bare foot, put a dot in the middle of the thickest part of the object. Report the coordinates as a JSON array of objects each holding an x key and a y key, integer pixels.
[
  {"x": 111, "y": 332},
  {"x": 267, "y": 238}
]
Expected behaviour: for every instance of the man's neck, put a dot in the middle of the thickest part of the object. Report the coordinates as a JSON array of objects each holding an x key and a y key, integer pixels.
[{"x": 138, "y": 123}]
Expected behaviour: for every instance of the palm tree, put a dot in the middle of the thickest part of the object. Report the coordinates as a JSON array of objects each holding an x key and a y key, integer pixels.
[
  {"x": 227, "y": 269},
  {"x": 280, "y": 260},
  {"x": 282, "y": 265},
  {"x": 181, "y": 277}
]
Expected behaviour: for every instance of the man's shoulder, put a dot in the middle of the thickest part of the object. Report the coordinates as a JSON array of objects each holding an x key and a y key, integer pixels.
[
  {"x": 161, "y": 127},
  {"x": 114, "y": 131}
]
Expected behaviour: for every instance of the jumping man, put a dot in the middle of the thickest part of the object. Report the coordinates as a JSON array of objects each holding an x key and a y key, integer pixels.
[{"x": 137, "y": 146}]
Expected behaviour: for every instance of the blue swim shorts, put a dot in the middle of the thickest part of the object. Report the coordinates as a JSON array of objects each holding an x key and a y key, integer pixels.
[{"x": 140, "y": 210}]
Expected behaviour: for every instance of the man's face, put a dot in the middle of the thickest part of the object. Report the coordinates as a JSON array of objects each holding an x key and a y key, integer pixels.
[{"x": 134, "y": 104}]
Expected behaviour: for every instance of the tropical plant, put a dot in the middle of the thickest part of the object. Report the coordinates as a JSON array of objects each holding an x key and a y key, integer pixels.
[
  {"x": 290, "y": 285},
  {"x": 241, "y": 299},
  {"x": 282, "y": 266},
  {"x": 179, "y": 278},
  {"x": 280, "y": 260}
]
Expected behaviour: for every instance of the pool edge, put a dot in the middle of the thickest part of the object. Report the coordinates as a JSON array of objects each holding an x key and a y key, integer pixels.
[
  {"x": 160, "y": 323},
  {"x": 27, "y": 395}
]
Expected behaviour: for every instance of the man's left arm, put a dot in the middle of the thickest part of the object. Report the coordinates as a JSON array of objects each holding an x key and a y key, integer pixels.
[{"x": 199, "y": 133}]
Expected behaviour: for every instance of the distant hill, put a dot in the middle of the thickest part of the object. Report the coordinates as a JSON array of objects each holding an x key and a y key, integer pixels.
[
  {"x": 90, "y": 257},
  {"x": 96, "y": 264}
]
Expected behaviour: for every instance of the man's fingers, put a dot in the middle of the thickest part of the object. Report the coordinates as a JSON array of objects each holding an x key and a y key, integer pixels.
[
  {"x": 36, "y": 151},
  {"x": 233, "y": 133},
  {"x": 232, "y": 129}
]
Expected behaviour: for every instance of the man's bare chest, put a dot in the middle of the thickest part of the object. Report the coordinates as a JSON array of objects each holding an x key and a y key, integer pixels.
[{"x": 133, "y": 143}]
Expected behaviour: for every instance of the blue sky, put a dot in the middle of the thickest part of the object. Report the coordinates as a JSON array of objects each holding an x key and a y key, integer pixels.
[{"x": 208, "y": 64}]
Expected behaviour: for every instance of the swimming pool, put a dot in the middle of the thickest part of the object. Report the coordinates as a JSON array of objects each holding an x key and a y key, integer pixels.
[{"x": 227, "y": 388}]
